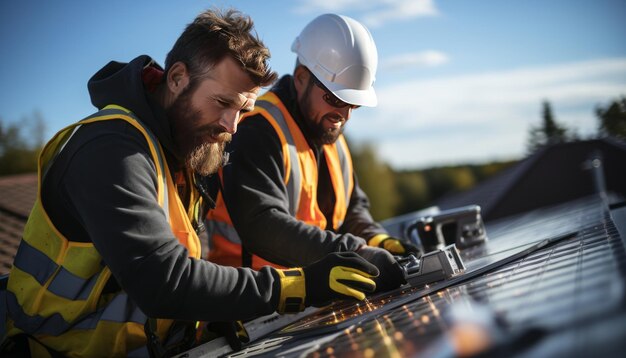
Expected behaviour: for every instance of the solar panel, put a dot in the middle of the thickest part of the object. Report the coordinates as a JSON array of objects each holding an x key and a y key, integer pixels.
[{"x": 564, "y": 299}]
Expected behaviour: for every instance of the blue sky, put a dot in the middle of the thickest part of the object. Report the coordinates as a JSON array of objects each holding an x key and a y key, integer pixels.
[{"x": 458, "y": 80}]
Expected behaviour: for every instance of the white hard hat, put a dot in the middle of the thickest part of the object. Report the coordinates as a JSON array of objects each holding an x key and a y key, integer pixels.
[{"x": 341, "y": 53}]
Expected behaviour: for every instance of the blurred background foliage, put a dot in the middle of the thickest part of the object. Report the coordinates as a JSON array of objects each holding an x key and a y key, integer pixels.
[
  {"x": 393, "y": 193},
  {"x": 20, "y": 144}
]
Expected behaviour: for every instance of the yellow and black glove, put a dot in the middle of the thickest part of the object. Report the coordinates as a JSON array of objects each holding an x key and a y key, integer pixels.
[
  {"x": 391, "y": 273},
  {"x": 338, "y": 275},
  {"x": 394, "y": 245}
]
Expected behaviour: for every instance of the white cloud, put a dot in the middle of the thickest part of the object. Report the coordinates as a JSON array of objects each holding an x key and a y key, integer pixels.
[
  {"x": 429, "y": 58},
  {"x": 400, "y": 10},
  {"x": 309, "y": 6},
  {"x": 479, "y": 117},
  {"x": 374, "y": 13}
]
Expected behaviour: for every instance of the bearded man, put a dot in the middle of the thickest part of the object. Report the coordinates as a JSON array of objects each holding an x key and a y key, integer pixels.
[
  {"x": 290, "y": 195},
  {"x": 109, "y": 264}
]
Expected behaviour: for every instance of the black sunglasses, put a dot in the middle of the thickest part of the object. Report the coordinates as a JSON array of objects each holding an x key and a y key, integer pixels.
[{"x": 328, "y": 96}]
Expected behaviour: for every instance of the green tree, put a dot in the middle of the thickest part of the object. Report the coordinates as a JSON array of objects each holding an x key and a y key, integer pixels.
[
  {"x": 549, "y": 132},
  {"x": 419, "y": 189},
  {"x": 462, "y": 179},
  {"x": 18, "y": 153},
  {"x": 485, "y": 171},
  {"x": 413, "y": 192},
  {"x": 377, "y": 180},
  {"x": 445, "y": 180},
  {"x": 613, "y": 119}
]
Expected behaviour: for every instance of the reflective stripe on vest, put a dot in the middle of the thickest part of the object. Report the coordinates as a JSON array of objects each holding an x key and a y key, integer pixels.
[
  {"x": 346, "y": 167},
  {"x": 339, "y": 163},
  {"x": 294, "y": 181},
  {"x": 55, "y": 287}
]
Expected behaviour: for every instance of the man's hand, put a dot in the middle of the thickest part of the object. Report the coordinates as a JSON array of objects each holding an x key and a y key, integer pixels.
[
  {"x": 391, "y": 274},
  {"x": 234, "y": 332},
  {"x": 338, "y": 275},
  {"x": 394, "y": 245}
]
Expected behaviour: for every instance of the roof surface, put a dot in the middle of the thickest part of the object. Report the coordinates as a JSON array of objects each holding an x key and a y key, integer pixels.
[
  {"x": 563, "y": 298},
  {"x": 552, "y": 175},
  {"x": 17, "y": 196}
]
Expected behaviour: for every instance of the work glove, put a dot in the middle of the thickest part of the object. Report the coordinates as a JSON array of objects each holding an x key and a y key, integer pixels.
[
  {"x": 234, "y": 332},
  {"x": 394, "y": 245},
  {"x": 391, "y": 273},
  {"x": 338, "y": 275}
]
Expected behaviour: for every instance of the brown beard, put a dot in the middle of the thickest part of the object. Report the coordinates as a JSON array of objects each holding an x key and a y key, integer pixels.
[
  {"x": 202, "y": 156},
  {"x": 208, "y": 158},
  {"x": 329, "y": 136},
  {"x": 319, "y": 135}
]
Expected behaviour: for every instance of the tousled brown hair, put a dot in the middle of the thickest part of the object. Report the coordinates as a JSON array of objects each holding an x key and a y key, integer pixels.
[{"x": 215, "y": 34}]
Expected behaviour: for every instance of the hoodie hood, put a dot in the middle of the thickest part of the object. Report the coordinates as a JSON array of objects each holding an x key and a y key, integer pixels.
[{"x": 122, "y": 84}]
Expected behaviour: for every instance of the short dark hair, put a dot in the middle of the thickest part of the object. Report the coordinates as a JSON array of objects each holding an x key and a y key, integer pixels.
[{"x": 215, "y": 34}]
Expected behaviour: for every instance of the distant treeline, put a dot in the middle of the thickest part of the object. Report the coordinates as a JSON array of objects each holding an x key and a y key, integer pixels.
[
  {"x": 20, "y": 143},
  {"x": 393, "y": 193}
]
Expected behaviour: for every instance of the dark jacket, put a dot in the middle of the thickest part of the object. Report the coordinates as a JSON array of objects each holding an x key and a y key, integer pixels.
[
  {"x": 256, "y": 197},
  {"x": 102, "y": 188}
]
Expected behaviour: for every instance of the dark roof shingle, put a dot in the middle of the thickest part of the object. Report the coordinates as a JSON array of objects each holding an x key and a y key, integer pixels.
[{"x": 17, "y": 196}]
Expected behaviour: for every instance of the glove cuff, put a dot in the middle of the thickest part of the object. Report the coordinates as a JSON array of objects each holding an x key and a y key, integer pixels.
[
  {"x": 388, "y": 243},
  {"x": 377, "y": 239},
  {"x": 292, "y": 290}
]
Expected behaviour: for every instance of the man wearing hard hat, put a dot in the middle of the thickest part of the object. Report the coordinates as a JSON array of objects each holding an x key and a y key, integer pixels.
[{"x": 290, "y": 195}]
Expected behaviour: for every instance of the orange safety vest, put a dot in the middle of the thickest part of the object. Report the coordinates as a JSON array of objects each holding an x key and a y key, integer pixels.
[
  {"x": 54, "y": 288},
  {"x": 301, "y": 177}
]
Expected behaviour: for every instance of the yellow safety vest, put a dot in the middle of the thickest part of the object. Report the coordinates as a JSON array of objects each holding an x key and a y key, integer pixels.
[
  {"x": 301, "y": 175},
  {"x": 54, "y": 291}
]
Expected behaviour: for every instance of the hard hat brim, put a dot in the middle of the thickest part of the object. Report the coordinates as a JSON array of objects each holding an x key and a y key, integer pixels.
[{"x": 365, "y": 98}]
